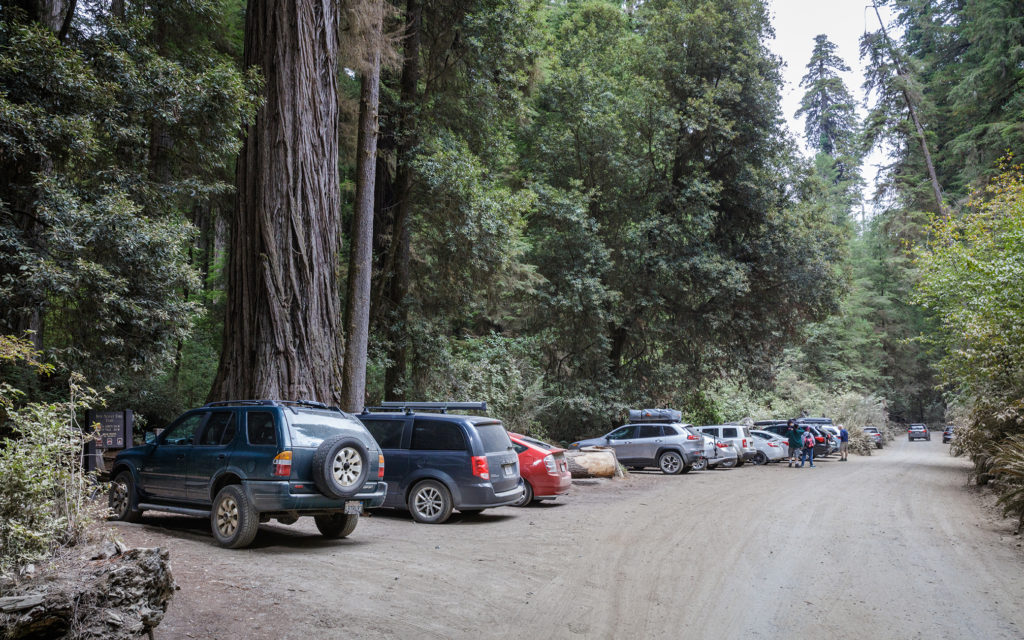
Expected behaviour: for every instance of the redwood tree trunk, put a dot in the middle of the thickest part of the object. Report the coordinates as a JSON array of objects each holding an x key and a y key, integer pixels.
[
  {"x": 357, "y": 309},
  {"x": 282, "y": 330}
]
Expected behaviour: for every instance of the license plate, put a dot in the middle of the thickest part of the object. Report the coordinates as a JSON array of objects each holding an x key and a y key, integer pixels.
[
  {"x": 353, "y": 507},
  {"x": 508, "y": 469}
]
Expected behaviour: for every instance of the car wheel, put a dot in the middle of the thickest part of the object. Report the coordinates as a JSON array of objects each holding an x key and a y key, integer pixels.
[
  {"x": 340, "y": 466},
  {"x": 233, "y": 519},
  {"x": 122, "y": 498},
  {"x": 430, "y": 502},
  {"x": 527, "y": 496},
  {"x": 701, "y": 464},
  {"x": 760, "y": 458},
  {"x": 336, "y": 525},
  {"x": 671, "y": 463}
]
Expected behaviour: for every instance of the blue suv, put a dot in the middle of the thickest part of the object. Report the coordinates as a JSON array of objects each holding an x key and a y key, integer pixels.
[
  {"x": 437, "y": 462},
  {"x": 241, "y": 463}
]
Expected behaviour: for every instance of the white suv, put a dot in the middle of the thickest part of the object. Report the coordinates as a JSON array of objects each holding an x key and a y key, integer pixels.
[{"x": 736, "y": 434}]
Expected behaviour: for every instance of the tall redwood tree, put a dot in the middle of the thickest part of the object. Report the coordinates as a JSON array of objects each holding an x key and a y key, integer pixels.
[{"x": 282, "y": 330}]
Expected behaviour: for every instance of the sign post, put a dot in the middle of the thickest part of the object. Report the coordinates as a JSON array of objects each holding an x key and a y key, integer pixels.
[{"x": 115, "y": 432}]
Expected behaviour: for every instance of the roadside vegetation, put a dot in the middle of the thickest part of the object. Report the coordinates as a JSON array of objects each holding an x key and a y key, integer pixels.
[{"x": 46, "y": 494}]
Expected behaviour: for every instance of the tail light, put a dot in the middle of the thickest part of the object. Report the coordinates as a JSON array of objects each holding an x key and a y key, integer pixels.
[
  {"x": 692, "y": 437},
  {"x": 380, "y": 466},
  {"x": 549, "y": 462},
  {"x": 772, "y": 444},
  {"x": 820, "y": 439},
  {"x": 721, "y": 445},
  {"x": 744, "y": 443},
  {"x": 283, "y": 464},
  {"x": 480, "y": 469}
]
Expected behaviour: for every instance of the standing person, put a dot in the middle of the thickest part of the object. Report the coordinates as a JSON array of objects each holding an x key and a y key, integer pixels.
[
  {"x": 793, "y": 436},
  {"x": 844, "y": 443},
  {"x": 807, "y": 452}
]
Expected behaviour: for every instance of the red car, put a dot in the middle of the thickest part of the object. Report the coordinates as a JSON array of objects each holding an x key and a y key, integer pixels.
[{"x": 544, "y": 469}]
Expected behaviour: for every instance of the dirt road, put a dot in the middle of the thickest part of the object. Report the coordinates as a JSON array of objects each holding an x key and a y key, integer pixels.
[{"x": 889, "y": 546}]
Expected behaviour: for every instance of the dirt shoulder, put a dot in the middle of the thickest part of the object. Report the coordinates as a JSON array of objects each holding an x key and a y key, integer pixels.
[{"x": 892, "y": 545}]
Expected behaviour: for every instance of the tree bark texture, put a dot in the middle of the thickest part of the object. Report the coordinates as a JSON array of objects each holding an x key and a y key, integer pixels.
[
  {"x": 357, "y": 309},
  {"x": 282, "y": 330}
]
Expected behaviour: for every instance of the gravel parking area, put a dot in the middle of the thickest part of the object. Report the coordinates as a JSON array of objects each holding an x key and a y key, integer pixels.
[{"x": 894, "y": 545}]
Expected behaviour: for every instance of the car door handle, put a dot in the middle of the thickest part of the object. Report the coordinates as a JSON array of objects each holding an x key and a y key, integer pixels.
[
  {"x": 657, "y": 440},
  {"x": 222, "y": 456},
  {"x": 181, "y": 456}
]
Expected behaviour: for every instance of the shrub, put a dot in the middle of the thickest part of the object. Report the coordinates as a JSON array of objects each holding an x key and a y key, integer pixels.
[
  {"x": 44, "y": 489},
  {"x": 1008, "y": 468}
]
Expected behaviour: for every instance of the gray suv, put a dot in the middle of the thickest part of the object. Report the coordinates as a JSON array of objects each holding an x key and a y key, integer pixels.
[{"x": 660, "y": 439}]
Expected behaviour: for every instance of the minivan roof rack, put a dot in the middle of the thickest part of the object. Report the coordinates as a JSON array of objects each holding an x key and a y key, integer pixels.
[{"x": 440, "y": 407}]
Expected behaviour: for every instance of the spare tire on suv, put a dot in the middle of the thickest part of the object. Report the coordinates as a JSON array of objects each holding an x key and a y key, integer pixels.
[{"x": 340, "y": 466}]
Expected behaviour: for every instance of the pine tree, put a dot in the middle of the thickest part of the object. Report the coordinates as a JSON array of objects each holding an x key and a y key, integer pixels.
[{"x": 831, "y": 124}]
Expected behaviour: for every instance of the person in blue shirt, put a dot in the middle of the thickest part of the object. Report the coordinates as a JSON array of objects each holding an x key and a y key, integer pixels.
[{"x": 844, "y": 444}]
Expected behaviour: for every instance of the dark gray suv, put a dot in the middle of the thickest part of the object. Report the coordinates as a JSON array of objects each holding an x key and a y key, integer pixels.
[{"x": 244, "y": 462}]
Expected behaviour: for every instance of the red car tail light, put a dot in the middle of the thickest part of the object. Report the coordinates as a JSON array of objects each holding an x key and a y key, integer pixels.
[
  {"x": 549, "y": 462},
  {"x": 480, "y": 467},
  {"x": 692, "y": 437},
  {"x": 380, "y": 466},
  {"x": 820, "y": 439},
  {"x": 283, "y": 464}
]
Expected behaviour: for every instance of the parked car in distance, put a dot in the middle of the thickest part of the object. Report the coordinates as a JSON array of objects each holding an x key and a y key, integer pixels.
[
  {"x": 244, "y": 462},
  {"x": 659, "y": 438},
  {"x": 947, "y": 434},
  {"x": 918, "y": 432},
  {"x": 875, "y": 435},
  {"x": 771, "y": 447},
  {"x": 543, "y": 467},
  {"x": 436, "y": 462},
  {"x": 736, "y": 435}
]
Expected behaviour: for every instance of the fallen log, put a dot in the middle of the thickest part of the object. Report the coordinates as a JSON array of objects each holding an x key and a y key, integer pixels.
[
  {"x": 593, "y": 462},
  {"x": 116, "y": 595}
]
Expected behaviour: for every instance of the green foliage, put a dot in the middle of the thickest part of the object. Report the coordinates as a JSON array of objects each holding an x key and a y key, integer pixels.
[
  {"x": 112, "y": 139},
  {"x": 501, "y": 371},
  {"x": 1008, "y": 467},
  {"x": 44, "y": 489},
  {"x": 971, "y": 269}
]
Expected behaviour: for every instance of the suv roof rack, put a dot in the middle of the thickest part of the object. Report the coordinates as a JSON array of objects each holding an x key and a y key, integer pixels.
[
  {"x": 272, "y": 403},
  {"x": 440, "y": 407}
]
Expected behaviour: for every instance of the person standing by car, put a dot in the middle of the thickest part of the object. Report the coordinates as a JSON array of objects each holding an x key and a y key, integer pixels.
[
  {"x": 793, "y": 436},
  {"x": 807, "y": 454},
  {"x": 844, "y": 444}
]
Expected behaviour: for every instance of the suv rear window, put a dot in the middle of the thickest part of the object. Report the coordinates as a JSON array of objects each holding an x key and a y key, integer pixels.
[
  {"x": 220, "y": 428},
  {"x": 494, "y": 437},
  {"x": 649, "y": 431},
  {"x": 729, "y": 432},
  {"x": 310, "y": 427},
  {"x": 438, "y": 435}
]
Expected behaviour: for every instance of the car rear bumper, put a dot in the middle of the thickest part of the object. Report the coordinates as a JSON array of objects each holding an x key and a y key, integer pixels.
[
  {"x": 279, "y": 495},
  {"x": 547, "y": 487},
  {"x": 484, "y": 496}
]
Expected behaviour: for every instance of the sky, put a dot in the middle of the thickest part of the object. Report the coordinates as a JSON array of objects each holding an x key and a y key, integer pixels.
[{"x": 843, "y": 21}]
